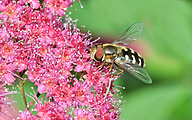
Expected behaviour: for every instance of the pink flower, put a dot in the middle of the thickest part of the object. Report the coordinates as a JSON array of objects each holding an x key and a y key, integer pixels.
[
  {"x": 36, "y": 45},
  {"x": 58, "y": 6},
  {"x": 9, "y": 11},
  {"x": 79, "y": 68},
  {"x": 8, "y": 49},
  {"x": 4, "y": 36},
  {"x": 41, "y": 88},
  {"x": 5, "y": 73},
  {"x": 5, "y": 102},
  {"x": 21, "y": 65},
  {"x": 30, "y": 76},
  {"x": 26, "y": 115},
  {"x": 9, "y": 78},
  {"x": 51, "y": 111},
  {"x": 33, "y": 3},
  {"x": 81, "y": 114}
]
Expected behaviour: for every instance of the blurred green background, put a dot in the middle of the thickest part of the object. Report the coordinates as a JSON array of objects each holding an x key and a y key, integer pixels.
[{"x": 166, "y": 44}]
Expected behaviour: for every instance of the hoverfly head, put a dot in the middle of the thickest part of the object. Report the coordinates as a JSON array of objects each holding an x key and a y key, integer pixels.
[{"x": 97, "y": 52}]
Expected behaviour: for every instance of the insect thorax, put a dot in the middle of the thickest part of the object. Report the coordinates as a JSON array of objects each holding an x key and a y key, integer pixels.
[{"x": 110, "y": 52}]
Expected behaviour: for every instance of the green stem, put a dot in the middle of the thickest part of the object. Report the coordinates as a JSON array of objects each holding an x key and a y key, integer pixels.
[{"x": 22, "y": 90}]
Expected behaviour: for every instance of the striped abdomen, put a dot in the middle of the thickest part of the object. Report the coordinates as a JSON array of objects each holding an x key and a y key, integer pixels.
[{"x": 128, "y": 55}]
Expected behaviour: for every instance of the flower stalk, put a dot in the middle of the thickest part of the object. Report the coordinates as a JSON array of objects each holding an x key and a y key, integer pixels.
[
  {"x": 23, "y": 92},
  {"x": 21, "y": 87}
]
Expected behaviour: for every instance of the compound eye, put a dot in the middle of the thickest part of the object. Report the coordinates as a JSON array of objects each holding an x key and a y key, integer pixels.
[{"x": 99, "y": 54}]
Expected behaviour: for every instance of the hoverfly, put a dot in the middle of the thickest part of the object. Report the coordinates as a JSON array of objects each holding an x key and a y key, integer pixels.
[{"x": 121, "y": 56}]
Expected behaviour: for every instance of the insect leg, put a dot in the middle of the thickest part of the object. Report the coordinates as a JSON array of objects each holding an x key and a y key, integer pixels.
[
  {"x": 107, "y": 90},
  {"x": 121, "y": 71},
  {"x": 100, "y": 66},
  {"x": 110, "y": 68},
  {"x": 109, "y": 81}
]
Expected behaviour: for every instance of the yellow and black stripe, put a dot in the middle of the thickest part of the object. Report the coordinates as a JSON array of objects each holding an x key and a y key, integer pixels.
[{"x": 132, "y": 57}]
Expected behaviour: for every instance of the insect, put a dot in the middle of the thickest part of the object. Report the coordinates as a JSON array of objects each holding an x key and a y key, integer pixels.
[{"x": 123, "y": 57}]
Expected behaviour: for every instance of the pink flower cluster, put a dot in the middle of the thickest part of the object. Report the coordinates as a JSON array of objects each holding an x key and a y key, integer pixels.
[
  {"x": 4, "y": 100},
  {"x": 54, "y": 54}
]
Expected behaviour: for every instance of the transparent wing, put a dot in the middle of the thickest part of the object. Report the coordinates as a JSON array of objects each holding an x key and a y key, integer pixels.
[
  {"x": 138, "y": 72},
  {"x": 130, "y": 35}
]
